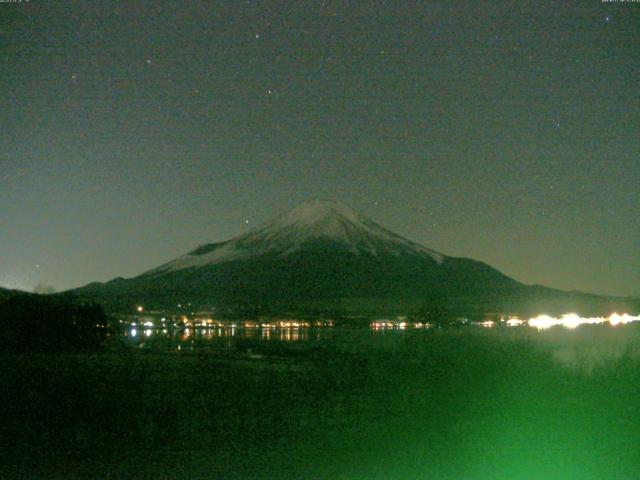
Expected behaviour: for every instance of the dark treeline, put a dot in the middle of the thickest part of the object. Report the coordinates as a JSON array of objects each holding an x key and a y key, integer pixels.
[{"x": 50, "y": 323}]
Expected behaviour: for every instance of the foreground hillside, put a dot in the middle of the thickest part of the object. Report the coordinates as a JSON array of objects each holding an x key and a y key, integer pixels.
[
  {"x": 6, "y": 294},
  {"x": 453, "y": 405}
]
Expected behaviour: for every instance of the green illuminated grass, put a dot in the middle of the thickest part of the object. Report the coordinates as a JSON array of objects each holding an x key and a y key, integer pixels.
[{"x": 453, "y": 405}]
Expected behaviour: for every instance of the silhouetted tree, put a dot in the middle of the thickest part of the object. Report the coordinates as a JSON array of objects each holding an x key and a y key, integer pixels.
[
  {"x": 37, "y": 322},
  {"x": 43, "y": 289},
  {"x": 433, "y": 310}
]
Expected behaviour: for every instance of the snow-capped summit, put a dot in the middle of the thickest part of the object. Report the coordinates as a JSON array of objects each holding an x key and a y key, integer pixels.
[
  {"x": 311, "y": 222},
  {"x": 332, "y": 221},
  {"x": 313, "y": 211}
]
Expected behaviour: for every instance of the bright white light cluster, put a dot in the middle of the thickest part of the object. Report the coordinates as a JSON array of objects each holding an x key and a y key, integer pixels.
[{"x": 572, "y": 320}]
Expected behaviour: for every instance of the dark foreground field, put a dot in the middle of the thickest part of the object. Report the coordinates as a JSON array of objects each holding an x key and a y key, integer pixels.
[{"x": 458, "y": 405}]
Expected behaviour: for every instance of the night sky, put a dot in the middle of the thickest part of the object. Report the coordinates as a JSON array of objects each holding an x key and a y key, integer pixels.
[{"x": 508, "y": 132}]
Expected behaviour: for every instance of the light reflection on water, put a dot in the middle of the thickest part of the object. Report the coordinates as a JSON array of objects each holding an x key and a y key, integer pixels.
[
  {"x": 223, "y": 337},
  {"x": 291, "y": 334},
  {"x": 587, "y": 345}
]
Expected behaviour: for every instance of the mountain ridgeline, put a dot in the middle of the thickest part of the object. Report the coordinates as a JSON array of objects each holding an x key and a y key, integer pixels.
[{"x": 323, "y": 257}]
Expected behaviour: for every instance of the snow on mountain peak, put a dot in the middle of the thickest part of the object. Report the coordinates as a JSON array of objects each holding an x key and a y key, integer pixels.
[
  {"x": 314, "y": 211},
  {"x": 311, "y": 219},
  {"x": 289, "y": 232}
]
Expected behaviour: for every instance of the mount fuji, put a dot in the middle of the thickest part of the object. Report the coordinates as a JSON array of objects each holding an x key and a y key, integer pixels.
[
  {"x": 320, "y": 255},
  {"x": 319, "y": 250}
]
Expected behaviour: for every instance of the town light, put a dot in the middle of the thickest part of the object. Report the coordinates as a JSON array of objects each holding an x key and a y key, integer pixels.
[{"x": 573, "y": 320}]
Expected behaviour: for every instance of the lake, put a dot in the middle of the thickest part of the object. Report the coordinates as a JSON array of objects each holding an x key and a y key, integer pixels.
[{"x": 585, "y": 346}]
